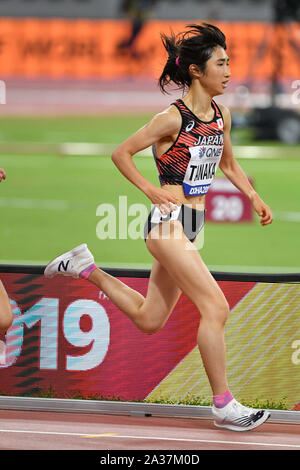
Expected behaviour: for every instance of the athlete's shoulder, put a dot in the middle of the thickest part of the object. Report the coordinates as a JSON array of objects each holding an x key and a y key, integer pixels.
[{"x": 168, "y": 121}]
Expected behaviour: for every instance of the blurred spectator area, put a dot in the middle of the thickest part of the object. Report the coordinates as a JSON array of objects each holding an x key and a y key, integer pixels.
[
  {"x": 225, "y": 10},
  {"x": 93, "y": 56}
]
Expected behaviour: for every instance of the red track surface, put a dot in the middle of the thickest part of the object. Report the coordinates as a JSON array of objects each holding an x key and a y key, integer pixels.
[{"x": 27, "y": 430}]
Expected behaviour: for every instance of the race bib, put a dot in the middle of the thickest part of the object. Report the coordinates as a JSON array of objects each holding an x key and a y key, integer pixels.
[
  {"x": 201, "y": 169},
  {"x": 157, "y": 215}
]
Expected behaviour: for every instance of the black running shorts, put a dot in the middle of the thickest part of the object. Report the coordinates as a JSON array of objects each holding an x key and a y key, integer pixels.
[{"x": 192, "y": 220}]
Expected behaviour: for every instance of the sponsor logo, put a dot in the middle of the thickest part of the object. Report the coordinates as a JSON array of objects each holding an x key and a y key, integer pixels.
[
  {"x": 63, "y": 265},
  {"x": 201, "y": 151},
  {"x": 190, "y": 126}
]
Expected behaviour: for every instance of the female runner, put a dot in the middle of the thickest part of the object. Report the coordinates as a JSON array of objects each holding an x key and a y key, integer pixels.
[
  {"x": 191, "y": 138},
  {"x": 6, "y": 315}
]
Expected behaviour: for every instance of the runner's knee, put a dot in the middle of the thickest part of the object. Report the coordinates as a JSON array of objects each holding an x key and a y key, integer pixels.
[
  {"x": 223, "y": 311},
  {"x": 216, "y": 311}
]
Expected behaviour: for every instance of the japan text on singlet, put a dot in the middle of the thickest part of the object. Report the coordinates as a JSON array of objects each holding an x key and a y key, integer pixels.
[{"x": 193, "y": 159}]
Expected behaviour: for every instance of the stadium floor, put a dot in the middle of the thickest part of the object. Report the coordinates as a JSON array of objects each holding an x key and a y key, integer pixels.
[{"x": 30, "y": 430}]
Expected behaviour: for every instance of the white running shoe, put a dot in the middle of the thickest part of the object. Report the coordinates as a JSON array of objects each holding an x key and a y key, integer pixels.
[
  {"x": 237, "y": 417},
  {"x": 70, "y": 263}
]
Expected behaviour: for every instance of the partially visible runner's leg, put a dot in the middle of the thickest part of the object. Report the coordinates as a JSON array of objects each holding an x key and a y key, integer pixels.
[{"x": 6, "y": 319}]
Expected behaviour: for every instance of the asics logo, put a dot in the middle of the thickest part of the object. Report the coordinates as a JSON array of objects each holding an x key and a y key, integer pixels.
[
  {"x": 190, "y": 126},
  {"x": 63, "y": 265}
]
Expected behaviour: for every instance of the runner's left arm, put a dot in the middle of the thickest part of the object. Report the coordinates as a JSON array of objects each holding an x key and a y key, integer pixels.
[{"x": 233, "y": 171}]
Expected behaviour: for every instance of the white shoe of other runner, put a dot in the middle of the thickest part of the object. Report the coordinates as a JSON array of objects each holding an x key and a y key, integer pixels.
[
  {"x": 237, "y": 417},
  {"x": 71, "y": 263}
]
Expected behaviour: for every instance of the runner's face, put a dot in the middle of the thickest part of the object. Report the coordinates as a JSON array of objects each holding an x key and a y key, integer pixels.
[{"x": 217, "y": 73}]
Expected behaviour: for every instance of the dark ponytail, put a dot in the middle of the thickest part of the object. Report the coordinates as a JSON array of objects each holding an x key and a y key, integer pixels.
[{"x": 195, "y": 46}]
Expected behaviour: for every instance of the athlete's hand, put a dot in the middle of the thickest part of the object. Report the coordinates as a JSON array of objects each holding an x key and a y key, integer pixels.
[
  {"x": 2, "y": 174},
  {"x": 165, "y": 200},
  {"x": 262, "y": 210}
]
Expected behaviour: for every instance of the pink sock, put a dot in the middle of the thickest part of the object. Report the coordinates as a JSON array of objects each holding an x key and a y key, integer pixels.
[
  {"x": 87, "y": 271},
  {"x": 221, "y": 400}
]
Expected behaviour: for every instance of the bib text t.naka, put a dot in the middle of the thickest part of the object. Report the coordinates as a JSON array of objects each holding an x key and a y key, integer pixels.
[{"x": 193, "y": 159}]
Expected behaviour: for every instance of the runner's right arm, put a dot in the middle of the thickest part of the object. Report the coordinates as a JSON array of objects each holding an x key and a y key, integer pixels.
[{"x": 162, "y": 125}]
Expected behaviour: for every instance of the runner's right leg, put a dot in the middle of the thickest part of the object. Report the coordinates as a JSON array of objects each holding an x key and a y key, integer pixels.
[{"x": 148, "y": 314}]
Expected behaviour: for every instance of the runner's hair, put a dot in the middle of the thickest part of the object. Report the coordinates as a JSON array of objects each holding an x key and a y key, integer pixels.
[{"x": 195, "y": 46}]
